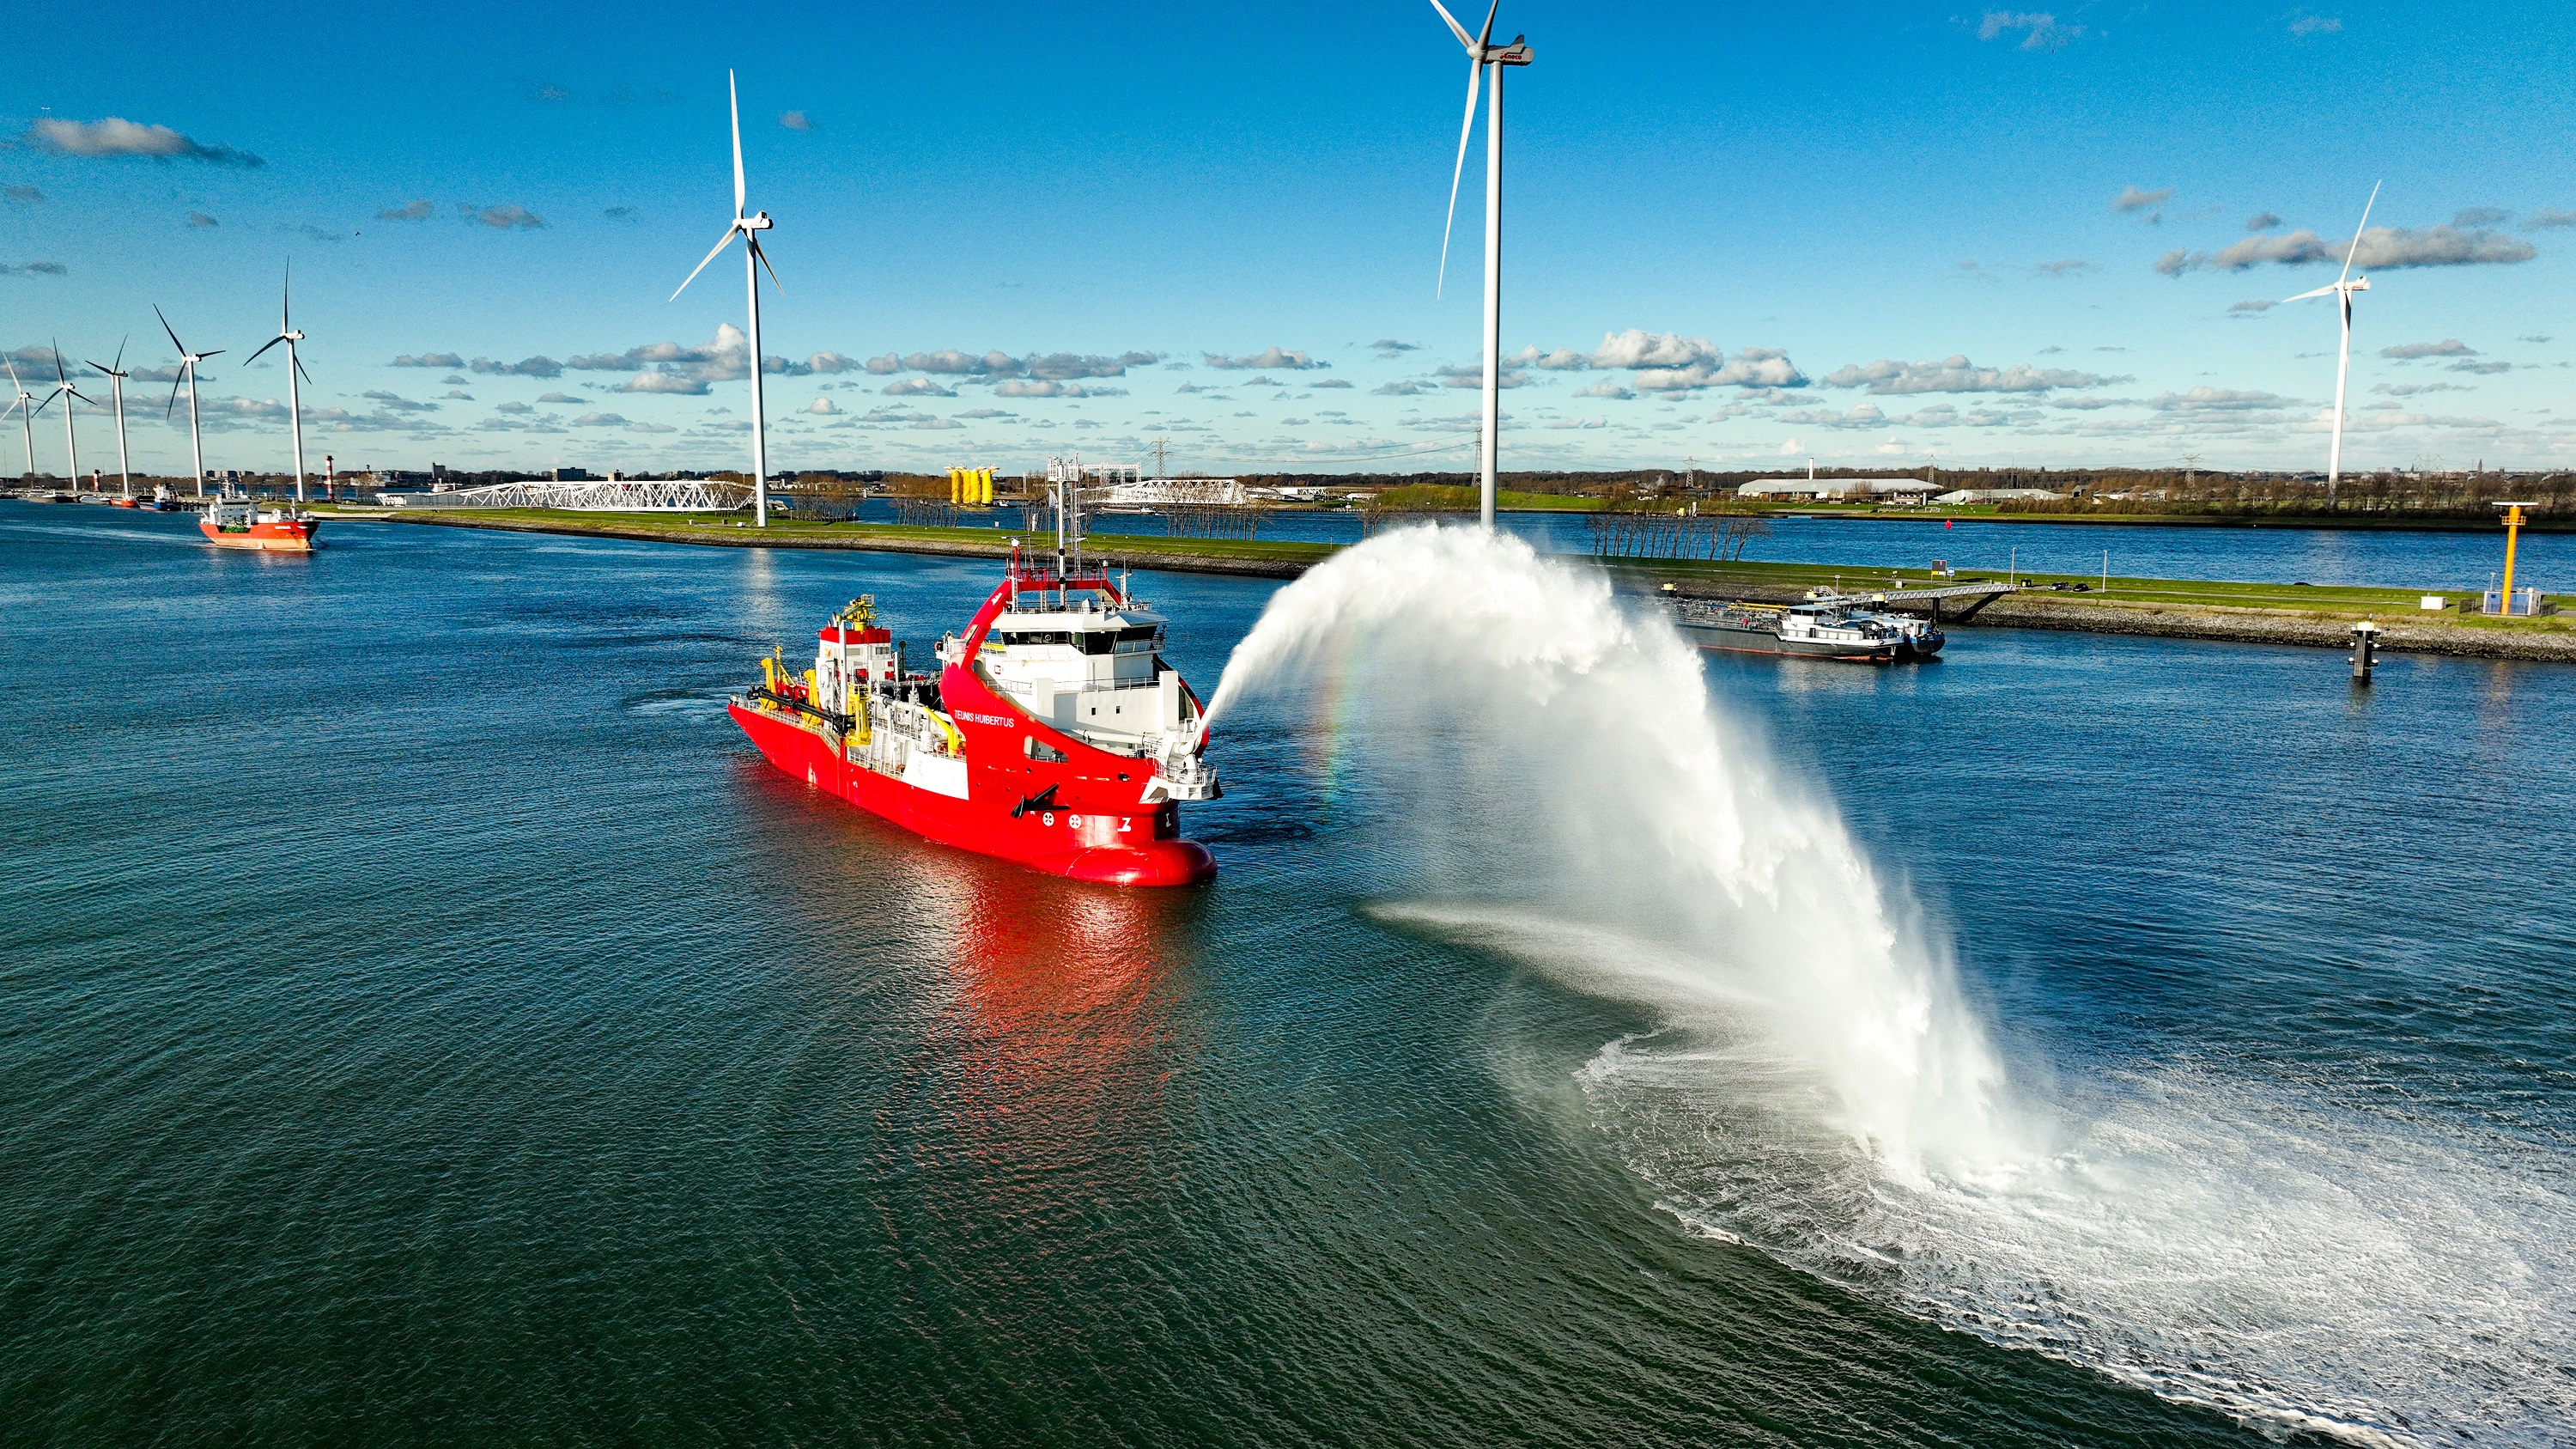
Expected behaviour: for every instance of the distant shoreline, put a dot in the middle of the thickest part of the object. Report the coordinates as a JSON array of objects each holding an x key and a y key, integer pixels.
[{"x": 2164, "y": 608}]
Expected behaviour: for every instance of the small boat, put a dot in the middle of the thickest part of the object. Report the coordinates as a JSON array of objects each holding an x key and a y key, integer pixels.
[
  {"x": 1815, "y": 630},
  {"x": 231, "y": 524},
  {"x": 163, "y": 500}
]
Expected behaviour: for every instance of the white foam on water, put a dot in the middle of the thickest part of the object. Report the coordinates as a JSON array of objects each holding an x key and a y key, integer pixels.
[{"x": 1568, "y": 795}]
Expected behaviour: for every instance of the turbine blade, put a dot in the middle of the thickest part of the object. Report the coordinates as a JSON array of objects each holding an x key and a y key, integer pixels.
[
  {"x": 286, "y": 296},
  {"x": 2303, "y": 296},
  {"x": 13, "y": 372},
  {"x": 733, "y": 99},
  {"x": 299, "y": 365},
  {"x": 165, "y": 328},
  {"x": 1487, "y": 34},
  {"x": 120, "y": 348},
  {"x": 702, "y": 266},
  {"x": 272, "y": 342},
  {"x": 764, "y": 263},
  {"x": 40, "y": 407},
  {"x": 57, "y": 345},
  {"x": 173, "y": 403},
  {"x": 2357, "y": 231},
  {"x": 84, "y": 397},
  {"x": 202, "y": 356},
  {"x": 1475, "y": 79},
  {"x": 1456, "y": 29}
]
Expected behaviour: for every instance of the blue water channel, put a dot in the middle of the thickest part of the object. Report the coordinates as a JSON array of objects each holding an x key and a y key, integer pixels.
[
  {"x": 2455, "y": 562},
  {"x": 423, "y": 1020}
]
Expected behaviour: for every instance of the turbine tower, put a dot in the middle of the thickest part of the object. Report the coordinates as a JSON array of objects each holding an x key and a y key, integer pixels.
[
  {"x": 2343, "y": 288},
  {"x": 63, "y": 389},
  {"x": 187, "y": 373},
  {"x": 753, "y": 260},
  {"x": 26, "y": 415},
  {"x": 287, "y": 334},
  {"x": 116, "y": 379},
  {"x": 1480, "y": 54}
]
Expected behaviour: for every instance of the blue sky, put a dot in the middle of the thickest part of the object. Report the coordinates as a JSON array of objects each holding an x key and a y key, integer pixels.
[{"x": 1877, "y": 234}]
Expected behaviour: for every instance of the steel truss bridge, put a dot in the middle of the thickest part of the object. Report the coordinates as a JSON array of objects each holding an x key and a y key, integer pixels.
[{"x": 622, "y": 495}]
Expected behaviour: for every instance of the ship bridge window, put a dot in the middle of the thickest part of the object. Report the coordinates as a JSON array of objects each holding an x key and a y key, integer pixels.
[
  {"x": 1110, "y": 641},
  {"x": 1014, "y": 638}
]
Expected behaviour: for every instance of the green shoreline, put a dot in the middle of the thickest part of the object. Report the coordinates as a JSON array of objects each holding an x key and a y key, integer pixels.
[{"x": 2169, "y": 608}]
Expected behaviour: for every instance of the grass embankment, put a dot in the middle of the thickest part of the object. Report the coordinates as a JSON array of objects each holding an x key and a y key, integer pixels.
[
  {"x": 2184, "y": 608},
  {"x": 1266, "y": 557},
  {"x": 1993, "y": 513},
  {"x": 1438, "y": 498},
  {"x": 2179, "y": 608}
]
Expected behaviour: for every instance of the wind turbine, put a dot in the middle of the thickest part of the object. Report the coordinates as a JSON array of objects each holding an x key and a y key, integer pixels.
[
  {"x": 287, "y": 334},
  {"x": 1480, "y": 54},
  {"x": 71, "y": 442},
  {"x": 187, "y": 373},
  {"x": 750, "y": 228},
  {"x": 2343, "y": 288},
  {"x": 26, "y": 416},
  {"x": 116, "y": 379}
]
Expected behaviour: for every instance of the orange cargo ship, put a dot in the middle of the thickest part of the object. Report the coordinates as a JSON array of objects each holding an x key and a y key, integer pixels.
[{"x": 247, "y": 525}]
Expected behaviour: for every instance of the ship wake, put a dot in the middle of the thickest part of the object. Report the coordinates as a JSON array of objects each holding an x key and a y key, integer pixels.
[{"x": 1561, "y": 790}]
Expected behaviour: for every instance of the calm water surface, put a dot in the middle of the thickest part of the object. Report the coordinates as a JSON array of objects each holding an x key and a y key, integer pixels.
[
  {"x": 2364, "y": 558},
  {"x": 422, "y": 1020}
]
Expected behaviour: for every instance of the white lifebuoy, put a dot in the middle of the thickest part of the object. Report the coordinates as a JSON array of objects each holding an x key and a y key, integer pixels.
[
  {"x": 1074, "y": 820},
  {"x": 1048, "y": 817}
]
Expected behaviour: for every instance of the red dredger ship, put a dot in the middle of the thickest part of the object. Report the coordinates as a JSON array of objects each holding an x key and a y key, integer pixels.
[
  {"x": 247, "y": 525},
  {"x": 1053, "y": 735}
]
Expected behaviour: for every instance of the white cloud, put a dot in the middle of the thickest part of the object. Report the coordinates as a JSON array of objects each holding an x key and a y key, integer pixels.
[
  {"x": 2447, "y": 347},
  {"x": 415, "y": 211},
  {"x": 599, "y": 420},
  {"x": 2380, "y": 248},
  {"x": 509, "y": 217},
  {"x": 822, "y": 407},
  {"x": 1269, "y": 359},
  {"x": 430, "y": 359},
  {"x": 115, "y": 136},
  {"x": 1027, "y": 387},
  {"x": 917, "y": 387},
  {"x": 1637, "y": 347},
  {"x": 1475, "y": 377},
  {"x": 2134, "y": 199},
  {"x": 795, "y": 121},
  {"x": 1956, "y": 374},
  {"x": 538, "y": 366},
  {"x": 2305, "y": 25},
  {"x": 2044, "y": 33},
  {"x": 1863, "y": 415},
  {"x": 665, "y": 382},
  {"x": 2218, "y": 400}
]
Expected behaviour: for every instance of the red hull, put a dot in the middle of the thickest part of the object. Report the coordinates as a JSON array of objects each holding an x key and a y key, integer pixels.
[
  {"x": 1136, "y": 847},
  {"x": 285, "y": 536}
]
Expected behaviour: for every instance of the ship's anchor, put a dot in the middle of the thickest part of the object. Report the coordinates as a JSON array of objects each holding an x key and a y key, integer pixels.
[{"x": 1042, "y": 800}]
